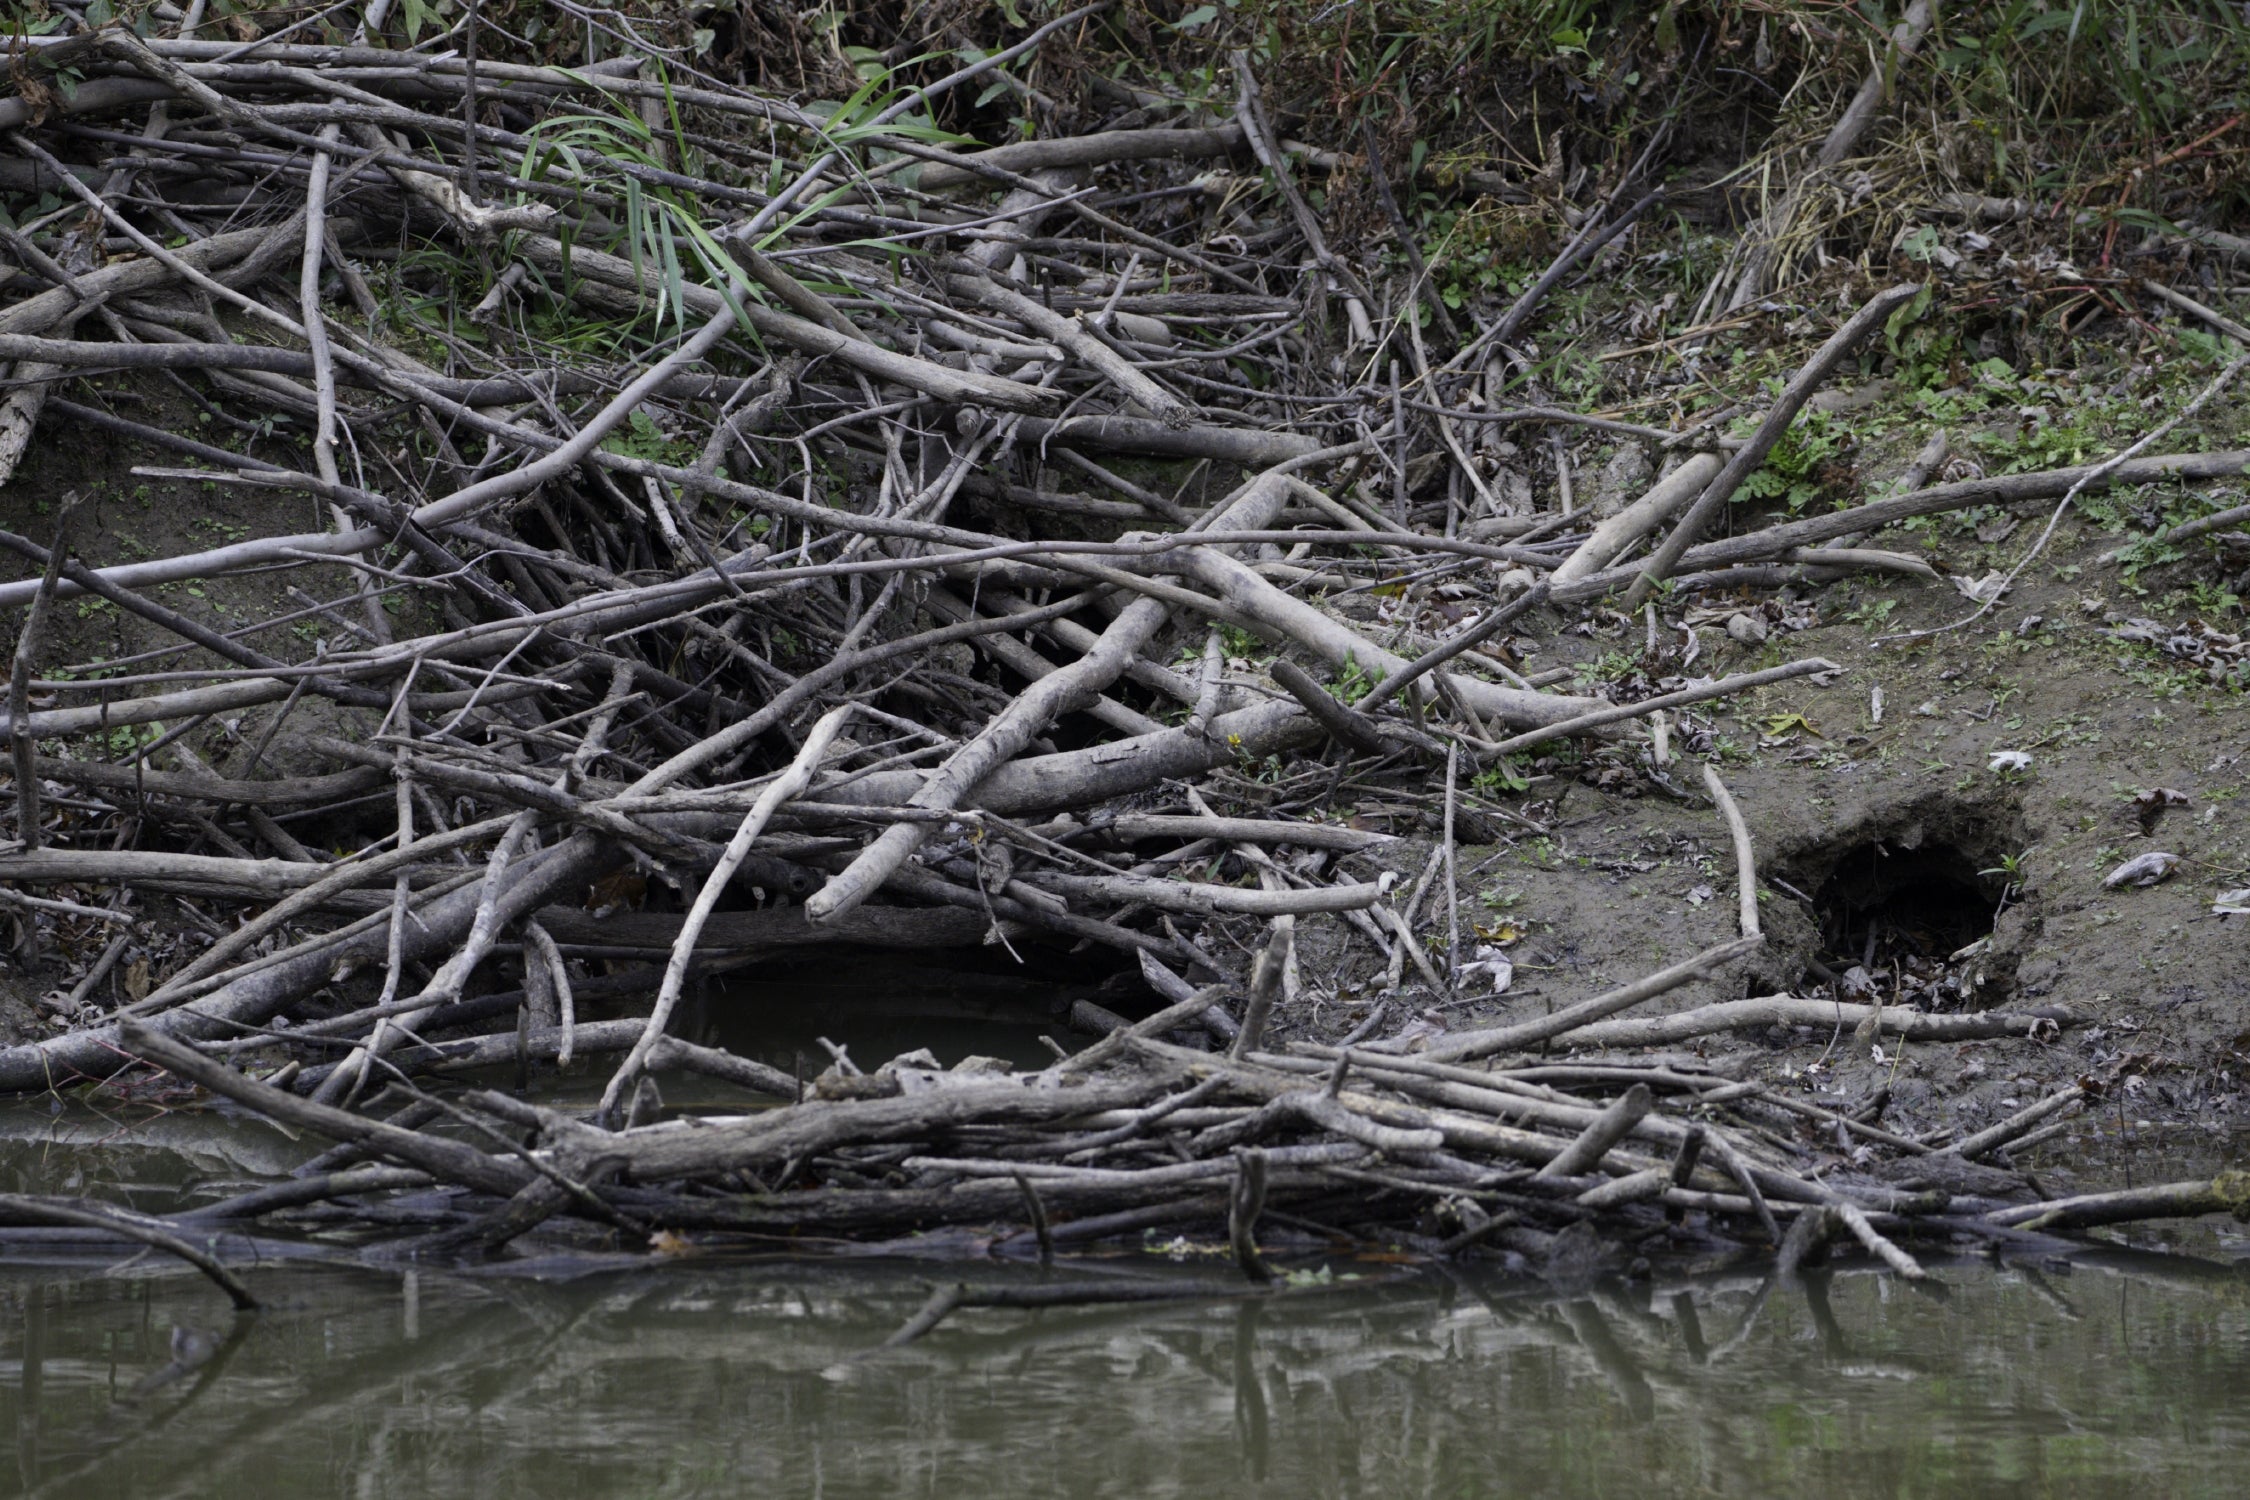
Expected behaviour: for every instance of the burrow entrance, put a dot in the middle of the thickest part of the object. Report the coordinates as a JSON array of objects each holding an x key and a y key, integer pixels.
[
  {"x": 1883, "y": 904},
  {"x": 1903, "y": 903}
]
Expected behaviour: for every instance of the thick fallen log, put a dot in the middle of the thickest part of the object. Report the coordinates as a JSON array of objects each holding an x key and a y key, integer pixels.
[
  {"x": 1787, "y": 1010},
  {"x": 1185, "y": 896},
  {"x": 1153, "y": 439},
  {"x": 906, "y": 928},
  {"x": 1139, "y": 826},
  {"x": 556, "y": 1044},
  {"x": 2227, "y": 1193},
  {"x": 141, "y": 780},
  {"x": 156, "y": 871},
  {"x": 1583, "y": 1015}
]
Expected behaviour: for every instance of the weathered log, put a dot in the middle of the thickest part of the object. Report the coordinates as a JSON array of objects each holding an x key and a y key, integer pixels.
[
  {"x": 2227, "y": 1193},
  {"x": 1579, "y": 1017},
  {"x": 1787, "y": 1010},
  {"x": 772, "y": 928}
]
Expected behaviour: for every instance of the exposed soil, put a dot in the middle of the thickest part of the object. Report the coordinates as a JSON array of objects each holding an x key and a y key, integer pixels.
[
  {"x": 1906, "y": 833},
  {"x": 125, "y": 518}
]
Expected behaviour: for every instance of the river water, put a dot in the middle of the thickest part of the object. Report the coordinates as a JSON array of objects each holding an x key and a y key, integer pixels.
[
  {"x": 708, "y": 1379},
  {"x": 123, "y": 1375}
]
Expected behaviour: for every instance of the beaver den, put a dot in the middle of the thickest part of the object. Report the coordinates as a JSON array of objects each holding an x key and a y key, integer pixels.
[{"x": 1883, "y": 903}]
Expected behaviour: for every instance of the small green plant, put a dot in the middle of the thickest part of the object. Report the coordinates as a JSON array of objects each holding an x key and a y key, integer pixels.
[
  {"x": 1235, "y": 643},
  {"x": 2209, "y": 598},
  {"x": 1238, "y": 642},
  {"x": 1610, "y": 666},
  {"x": 127, "y": 738},
  {"x": 1265, "y": 771},
  {"x": 1801, "y": 464},
  {"x": 2011, "y": 866},
  {"x": 642, "y": 438},
  {"x": 1928, "y": 350},
  {"x": 1501, "y": 776},
  {"x": 1871, "y": 616},
  {"x": 1355, "y": 682}
]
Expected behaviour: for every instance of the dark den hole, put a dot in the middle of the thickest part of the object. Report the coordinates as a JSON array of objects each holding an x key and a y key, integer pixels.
[{"x": 1882, "y": 903}]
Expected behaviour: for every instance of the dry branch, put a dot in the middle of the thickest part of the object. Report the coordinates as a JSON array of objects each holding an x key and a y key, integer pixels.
[{"x": 1785, "y": 1010}]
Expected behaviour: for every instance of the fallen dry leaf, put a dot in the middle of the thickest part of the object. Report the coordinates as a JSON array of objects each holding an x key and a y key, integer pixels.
[{"x": 2144, "y": 869}]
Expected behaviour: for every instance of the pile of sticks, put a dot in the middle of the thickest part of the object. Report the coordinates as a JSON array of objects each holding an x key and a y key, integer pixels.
[
  {"x": 823, "y": 615},
  {"x": 1569, "y": 1169}
]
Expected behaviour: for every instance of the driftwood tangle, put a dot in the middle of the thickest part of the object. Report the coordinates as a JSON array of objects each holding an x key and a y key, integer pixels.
[{"x": 841, "y": 607}]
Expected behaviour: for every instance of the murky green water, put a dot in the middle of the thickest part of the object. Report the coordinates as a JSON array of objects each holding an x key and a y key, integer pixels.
[
  {"x": 724, "y": 1380},
  {"x": 2128, "y": 1377}
]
